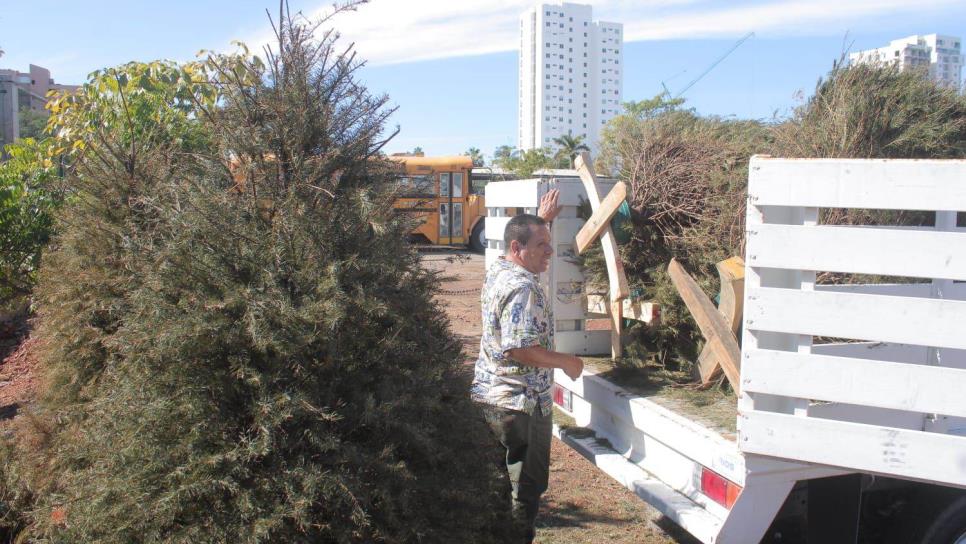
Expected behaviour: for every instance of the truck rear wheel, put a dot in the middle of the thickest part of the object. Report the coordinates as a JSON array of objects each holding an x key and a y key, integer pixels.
[
  {"x": 935, "y": 520},
  {"x": 478, "y": 237}
]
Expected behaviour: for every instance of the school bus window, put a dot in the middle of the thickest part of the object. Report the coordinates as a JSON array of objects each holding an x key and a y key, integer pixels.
[{"x": 417, "y": 185}]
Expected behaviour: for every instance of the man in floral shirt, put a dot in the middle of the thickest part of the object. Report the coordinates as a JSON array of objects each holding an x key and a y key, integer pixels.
[{"x": 514, "y": 372}]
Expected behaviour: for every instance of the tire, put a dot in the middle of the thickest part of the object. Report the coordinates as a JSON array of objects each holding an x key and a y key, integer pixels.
[
  {"x": 935, "y": 519},
  {"x": 478, "y": 237}
]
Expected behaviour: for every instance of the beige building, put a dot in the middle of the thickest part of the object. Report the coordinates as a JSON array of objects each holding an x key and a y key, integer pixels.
[{"x": 20, "y": 91}]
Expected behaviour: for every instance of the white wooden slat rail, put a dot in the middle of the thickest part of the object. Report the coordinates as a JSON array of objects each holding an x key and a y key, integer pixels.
[
  {"x": 898, "y": 452},
  {"x": 881, "y": 184},
  {"x": 920, "y": 253},
  {"x": 904, "y": 320},
  {"x": 810, "y": 405},
  {"x": 884, "y": 384}
]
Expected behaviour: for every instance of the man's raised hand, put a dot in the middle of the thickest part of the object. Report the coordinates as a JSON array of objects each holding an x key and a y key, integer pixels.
[{"x": 549, "y": 206}]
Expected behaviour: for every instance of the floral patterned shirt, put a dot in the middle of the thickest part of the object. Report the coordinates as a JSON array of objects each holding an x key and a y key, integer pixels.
[{"x": 516, "y": 314}]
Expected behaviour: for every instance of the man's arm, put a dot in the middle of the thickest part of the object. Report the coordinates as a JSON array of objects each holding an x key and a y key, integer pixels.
[{"x": 543, "y": 358}]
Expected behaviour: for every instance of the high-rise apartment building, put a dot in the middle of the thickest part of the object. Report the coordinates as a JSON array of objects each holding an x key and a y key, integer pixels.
[
  {"x": 941, "y": 56},
  {"x": 570, "y": 75}
]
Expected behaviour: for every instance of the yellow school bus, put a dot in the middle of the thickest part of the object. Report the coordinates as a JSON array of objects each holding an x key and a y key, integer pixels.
[{"x": 439, "y": 192}]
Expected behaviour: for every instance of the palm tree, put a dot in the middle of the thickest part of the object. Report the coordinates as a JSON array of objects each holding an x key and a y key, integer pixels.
[
  {"x": 569, "y": 147},
  {"x": 475, "y": 154}
]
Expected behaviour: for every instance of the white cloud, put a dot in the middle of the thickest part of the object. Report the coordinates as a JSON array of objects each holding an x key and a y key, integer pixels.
[{"x": 395, "y": 31}]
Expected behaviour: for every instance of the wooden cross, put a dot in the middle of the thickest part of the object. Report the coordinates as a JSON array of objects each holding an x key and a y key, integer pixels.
[
  {"x": 730, "y": 306},
  {"x": 720, "y": 341},
  {"x": 599, "y": 226}
]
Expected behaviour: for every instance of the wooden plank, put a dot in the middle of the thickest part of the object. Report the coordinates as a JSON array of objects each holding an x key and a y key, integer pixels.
[
  {"x": 904, "y": 453},
  {"x": 615, "y": 269},
  {"x": 647, "y": 312},
  {"x": 902, "y": 320},
  {"x": 716, "y": 331},
  {"x": 731, "y": 272},
  {"x": 891, "y": 184},
  {"x": 616, "y": 323},
  {"x": 868, "y": 382},
  {"x": 858, "y": 250},
  {"x": 601, "y": 217},
  {"x": 732, "y": 294}
]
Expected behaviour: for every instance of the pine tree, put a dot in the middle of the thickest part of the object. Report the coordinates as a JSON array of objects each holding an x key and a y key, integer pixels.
[{"x": 240, "y": 346}]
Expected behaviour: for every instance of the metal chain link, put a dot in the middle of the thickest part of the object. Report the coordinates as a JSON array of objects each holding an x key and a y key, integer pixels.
[{"x": 459, "y": 292}]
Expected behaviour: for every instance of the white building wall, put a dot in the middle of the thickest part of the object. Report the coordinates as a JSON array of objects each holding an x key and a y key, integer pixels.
[
  {"x": 571, "y": 66},
  {"x": 528, "y": 80},
  {"x": 939, "y": 54}
]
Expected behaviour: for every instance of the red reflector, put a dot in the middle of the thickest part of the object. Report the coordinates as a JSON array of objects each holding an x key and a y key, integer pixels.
[
  {"x": 718, "y": 489},
  {"x": 562, "y": 397}
]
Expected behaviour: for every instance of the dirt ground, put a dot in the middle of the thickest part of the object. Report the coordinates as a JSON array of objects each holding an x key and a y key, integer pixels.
[
  {"x": 583, "y": 505},
  {"x": 17, "y": 380}
]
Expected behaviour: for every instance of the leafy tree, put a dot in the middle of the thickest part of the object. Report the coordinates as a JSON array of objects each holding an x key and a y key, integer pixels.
[
  {"x": 504, "y": 152},
  {"x": 652, "y": 107},
  {"x": 236, "y": 313},
  {"x": 524, "y": 164},
  {"x": 30, "y": 192},
  {"x": 568, "y": 147},
  {"x": 474, "y": 153},
  {"x": 417, "y": 150},
  {"x": 32, "y": 123}
]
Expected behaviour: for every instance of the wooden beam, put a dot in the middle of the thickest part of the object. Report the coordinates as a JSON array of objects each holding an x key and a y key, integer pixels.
[
  {"x": 732, "y": 299},
  {"x": 717, "y": 332},
  {"x": 598, "y": 306},
  {"x": 731, "y": 303},
  {"x": 615, "y": 269},
  {"x": 601, "y": 217},
  {"x": 617, "y": 321}
]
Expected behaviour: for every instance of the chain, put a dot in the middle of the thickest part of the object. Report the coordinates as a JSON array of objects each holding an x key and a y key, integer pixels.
[{"x": 459, "y": 292}]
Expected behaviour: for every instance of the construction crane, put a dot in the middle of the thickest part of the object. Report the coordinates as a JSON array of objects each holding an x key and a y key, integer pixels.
[{"x": 709, "y": 68}]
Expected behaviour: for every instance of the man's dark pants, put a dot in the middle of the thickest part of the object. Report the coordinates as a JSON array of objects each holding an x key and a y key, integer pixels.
[{"x": 526, "y": 439}]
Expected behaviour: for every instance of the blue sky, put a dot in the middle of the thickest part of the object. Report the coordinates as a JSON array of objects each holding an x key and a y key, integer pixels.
[{"x": 450, "y": 67}]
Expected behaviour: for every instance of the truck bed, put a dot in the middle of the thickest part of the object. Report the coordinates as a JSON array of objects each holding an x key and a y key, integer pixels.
[{"x": 713, "y": 408}]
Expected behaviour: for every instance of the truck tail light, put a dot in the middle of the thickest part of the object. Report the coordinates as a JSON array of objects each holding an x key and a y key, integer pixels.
[
  {"x": 562, "y": 397},
  {"x": 719, "y": 489}
]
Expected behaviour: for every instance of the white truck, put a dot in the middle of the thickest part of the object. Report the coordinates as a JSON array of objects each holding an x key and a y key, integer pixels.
[{"x": 851, "y": 418}]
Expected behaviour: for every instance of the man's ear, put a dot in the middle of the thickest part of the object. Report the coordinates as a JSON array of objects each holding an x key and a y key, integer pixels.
[{"x": 514, "y": 246}]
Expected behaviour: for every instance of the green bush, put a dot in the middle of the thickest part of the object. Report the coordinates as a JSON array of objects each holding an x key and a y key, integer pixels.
[
  {"x": 31, "y": 191},
  {"x": 239, "y": 346}
]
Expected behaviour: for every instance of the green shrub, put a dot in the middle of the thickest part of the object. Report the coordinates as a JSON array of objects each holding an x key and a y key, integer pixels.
[{"x": 31, "y": 191}]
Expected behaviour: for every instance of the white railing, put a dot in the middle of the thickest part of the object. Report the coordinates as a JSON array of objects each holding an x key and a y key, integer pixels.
[{"x": 894, "y": 404}]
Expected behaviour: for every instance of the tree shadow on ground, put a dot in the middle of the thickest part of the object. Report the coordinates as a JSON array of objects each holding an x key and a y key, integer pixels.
[
  {"x": 675, "y": 531},
  {"x": 569, "y": 514},
  {"x": 13, "y": 331}
]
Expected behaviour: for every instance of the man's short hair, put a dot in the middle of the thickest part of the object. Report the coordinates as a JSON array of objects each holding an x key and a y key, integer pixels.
[{"x": 518, "y": 228}]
